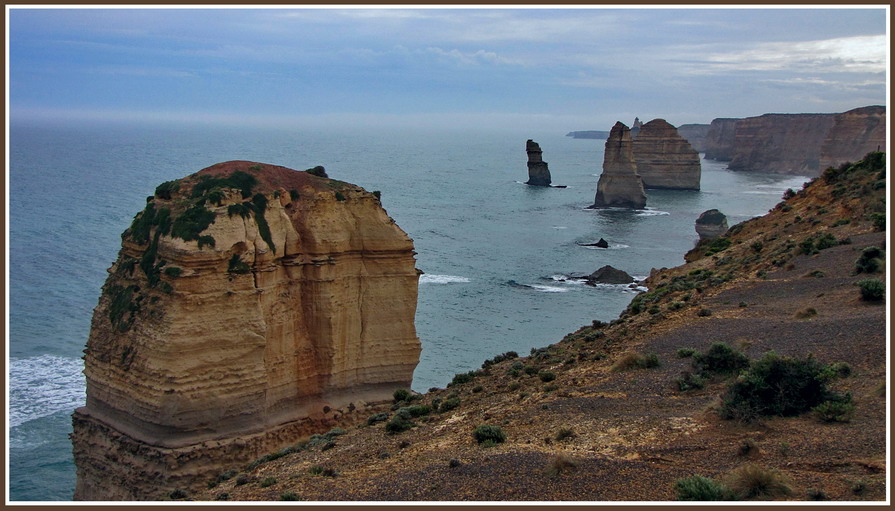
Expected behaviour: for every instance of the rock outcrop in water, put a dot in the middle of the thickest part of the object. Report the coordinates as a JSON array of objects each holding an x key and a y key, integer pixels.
[
  {"x": 854, "y": 134},
  {"x": 665, "y": 159},
  {"x": 609, "y": 275},
  {"x": 619, "y": 185},
  {"x": 249, "y": 305},
  {"x": 711, "y": 224},
  {"x": 538, "y": 173}
]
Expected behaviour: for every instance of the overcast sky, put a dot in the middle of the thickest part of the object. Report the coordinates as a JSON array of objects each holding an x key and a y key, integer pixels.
[{"x": 560, "y": 69}]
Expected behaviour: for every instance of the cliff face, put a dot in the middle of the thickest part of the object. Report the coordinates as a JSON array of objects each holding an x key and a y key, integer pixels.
[
  {"x": 783, "y": 143},
  {"x": 538, "y": 173},
  {"x": 619, "y": 184},
  {"x": 665, "y": 159},
  {"x": 720, "y": 139},
  {"x": 249, "y": 304},
  {"x": 695, "y": 134},
  {"x": 853, "y": 134}
]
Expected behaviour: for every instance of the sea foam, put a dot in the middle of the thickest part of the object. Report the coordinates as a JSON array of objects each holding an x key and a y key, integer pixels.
[
  {"x": 431, "y": 278},
  {"x": 43, "y": 385}
]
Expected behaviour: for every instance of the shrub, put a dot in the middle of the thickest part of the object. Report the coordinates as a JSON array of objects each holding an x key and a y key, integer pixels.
[
  {"x": 191, "y": 222},
  {"x": 690, "y": 381},
  {"x": 401, "y": 395},
  {"x": 268, "y": 481},
  {"x": 485, "y": 433},
  {"x": 288, "y": 496},
  {"x": 164, "y": 190},
  {"x": 416, "y": 410},
  {"x": 222, "y": 496},
  {"x": 747, "y": 447},
  {"x": 531, "y": 370},
  {"x": 717, "y": 245},
  {"x": 317, "y": 470},
  {"x": 177, "y": 494},
  {"x": 699, "y": 488},
  {"x": 872, "y": 290},
  {"x": 237, "y": 265},
  {"x": 239, "y": 179},
  {"x": 703, "y": 312},
  {"x": 835, "y": 411},
  {"x": 776, "y": 385},
  {"x": 879, "y": 221},
  {"x": 398, "y": 424},
  {"x": 635, "y": 361},
  {"x": 379, "y": 417},
  {"x": 750, "y": 480},
  {"x": 546, "y": 376},
  {"x": 173, "y": 271},
  {"x": 461, "y": 378},
  {"x": 449, "y": 404},
  {"x": 685, "y": 352},
  {"x": 720, "y": 358},
  {"x": 870, "y": 260},
  {"x": 826, "y": 241},
  {"x": 500, "y": 358},
  {"x": 565, "y": 433}
]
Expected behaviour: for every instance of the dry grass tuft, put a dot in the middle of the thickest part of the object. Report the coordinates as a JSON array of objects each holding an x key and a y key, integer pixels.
[
  {"x": 559, "y": 464},
  {"x": 751, "y": 480}
]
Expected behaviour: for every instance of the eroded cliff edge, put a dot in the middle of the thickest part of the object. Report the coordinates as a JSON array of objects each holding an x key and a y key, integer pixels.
[{"x": 249, "y": 304}]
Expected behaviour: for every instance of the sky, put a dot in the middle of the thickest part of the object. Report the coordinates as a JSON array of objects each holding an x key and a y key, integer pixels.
[{"x": 563, "y": 69}]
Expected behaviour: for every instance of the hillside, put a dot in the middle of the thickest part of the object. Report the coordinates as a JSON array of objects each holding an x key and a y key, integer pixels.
[{"x": 593, "y": 417}]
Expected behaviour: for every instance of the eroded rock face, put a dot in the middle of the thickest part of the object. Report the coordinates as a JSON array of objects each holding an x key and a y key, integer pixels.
[
  {"x": 695, "y": 134},
  {"x": 665, "y": 159},
  {"x": 854, "y": 134},
  {"x": 538, "y": 173},
  {"x": 619, "y": 184},
  {"x": 781, "y": 143},
  {"x": 711, "y": 224},
  {"x": 720, "y": 141},
  {"x": 250, "y": 304}
]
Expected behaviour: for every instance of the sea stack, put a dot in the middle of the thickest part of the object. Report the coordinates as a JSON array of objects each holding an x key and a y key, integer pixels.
[
  {"x": 711, "y": 224},
  {"x": 635, "y": 128},
  {"x": 665, "y": 159},
  {"x": 619, "y": 186},
  {"x": 538, "y": 173},
  {"x": 250, "y": 305}
]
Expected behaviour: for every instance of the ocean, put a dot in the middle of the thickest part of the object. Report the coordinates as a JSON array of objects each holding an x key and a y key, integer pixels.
[{"x": 495, "y": 251}]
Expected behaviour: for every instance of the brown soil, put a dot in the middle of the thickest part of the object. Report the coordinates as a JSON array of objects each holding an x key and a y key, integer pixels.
[{"x": 635, "y": 434}]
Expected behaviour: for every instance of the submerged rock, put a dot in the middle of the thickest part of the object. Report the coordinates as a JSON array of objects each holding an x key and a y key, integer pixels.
[
  {"x": 711, "y": 224},
  {"x": 250, "y": 305},
  {"x": 600, "y": 244},
  {"x": 538, "y": 173},
  {"x": 619, "y": 184},
  {"x": 665, "y": 159}
]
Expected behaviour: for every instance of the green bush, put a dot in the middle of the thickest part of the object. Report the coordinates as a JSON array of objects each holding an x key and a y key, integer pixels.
[
  {"x": 835, "y": 410},
  {"x": 401, "y": 395},
  {"x": 872, "y": 290},
  {"x": 239, "y": 180},
  {"x": 717, "y": 245},
  {"x": 720, "y": 358},
  {"x": 379, "y": 417},
  {"x": 776, "y": 385},
  {"x": 288, "y": 496},
  {"x": 699, "y": 488},
  {"x": 164, "y": 190},
  {"x": 416, "y": 410},
  {"x": 461, "y": 378},
  {"x": 449, "y": 404},
  {"x": 879, "y": 221},
  {"x": 173, "y": 271},
  {"x": 488, "y": 433},
  {"x": 546, "y": 376},
  {"x": 690, "y": 381},
  {"x": 685, "y": 352},
  {"x": 635, "y": 361},
  {"x": 318, "y": 171},
  {"x": 237, "y": 265},
  {"x": 339, "y": 196},
  {"x": 191, "y": 222},
  {"x": 500, "y": 358},
  {"x": 398, "y": 424},
  {"x": 870, "y": 260}
]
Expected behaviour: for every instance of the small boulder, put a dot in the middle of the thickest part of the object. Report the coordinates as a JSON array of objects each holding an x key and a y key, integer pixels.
[
  {"x": 609, "y": 275},
  {"x": 600, "y": 244},
  {"x": 711, "y": 224}
]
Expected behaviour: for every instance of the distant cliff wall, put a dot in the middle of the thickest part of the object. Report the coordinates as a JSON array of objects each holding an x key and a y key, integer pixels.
[
  {"x": 249, "y": 304},
  {"x": 854, "y": 134},
  {"x": 781, "y": 143},
  {"x": 695, "y": 134},
  {"x": 720, "y": 139}
]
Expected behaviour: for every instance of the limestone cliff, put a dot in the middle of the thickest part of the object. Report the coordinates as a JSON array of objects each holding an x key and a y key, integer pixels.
[
  {"x": 538, "y": 173},
  {"x": 782, "y": 143},
  {"x": 720, "y": 139},
  {"x": 619, "y": 184},
  {"x": 665, "y": 159},
  {"x": 854, "y": 134},
  {"x": 695, "y": 134},
  {"x": 249, "y": 304}
]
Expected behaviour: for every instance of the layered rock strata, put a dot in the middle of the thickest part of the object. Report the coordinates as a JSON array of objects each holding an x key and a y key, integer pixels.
[
  {"x": 250, "y": 304},
  {"x": 720, "y": 141},
  {"x": 854, "y": 134},
  {"x": 665, "y": 159},
  {"x": 619, "y": 185},
  {"x": 538, "y": 173},
  {"x": 781, "y": 143},
  {"x": 711, "y": 224}
]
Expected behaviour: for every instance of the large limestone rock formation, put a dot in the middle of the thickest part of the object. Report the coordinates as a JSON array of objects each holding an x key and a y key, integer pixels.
[
  {"x": 720, "y": 141},
  {"x": 250, "y": 304},
  {"x": 695, "y": 134},
  {"x": 782, "y": 143},
  {"x": 711, "y": 224},
  {"x": 665, "y": 159},
  {"x": 854, "y": 134},
  {"x": 619, "y": 185},
  {"x": 538, "y": 173},
  {"x": 635, "y": 128}
]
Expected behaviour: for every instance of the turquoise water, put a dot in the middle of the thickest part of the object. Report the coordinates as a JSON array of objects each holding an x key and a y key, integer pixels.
[{"x": 457, "y": 193}]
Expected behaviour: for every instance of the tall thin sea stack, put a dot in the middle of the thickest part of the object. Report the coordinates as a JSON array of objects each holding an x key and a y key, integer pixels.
[
  {"x": 619, "y": 186},
  {"x": 538, "y": 173}
]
